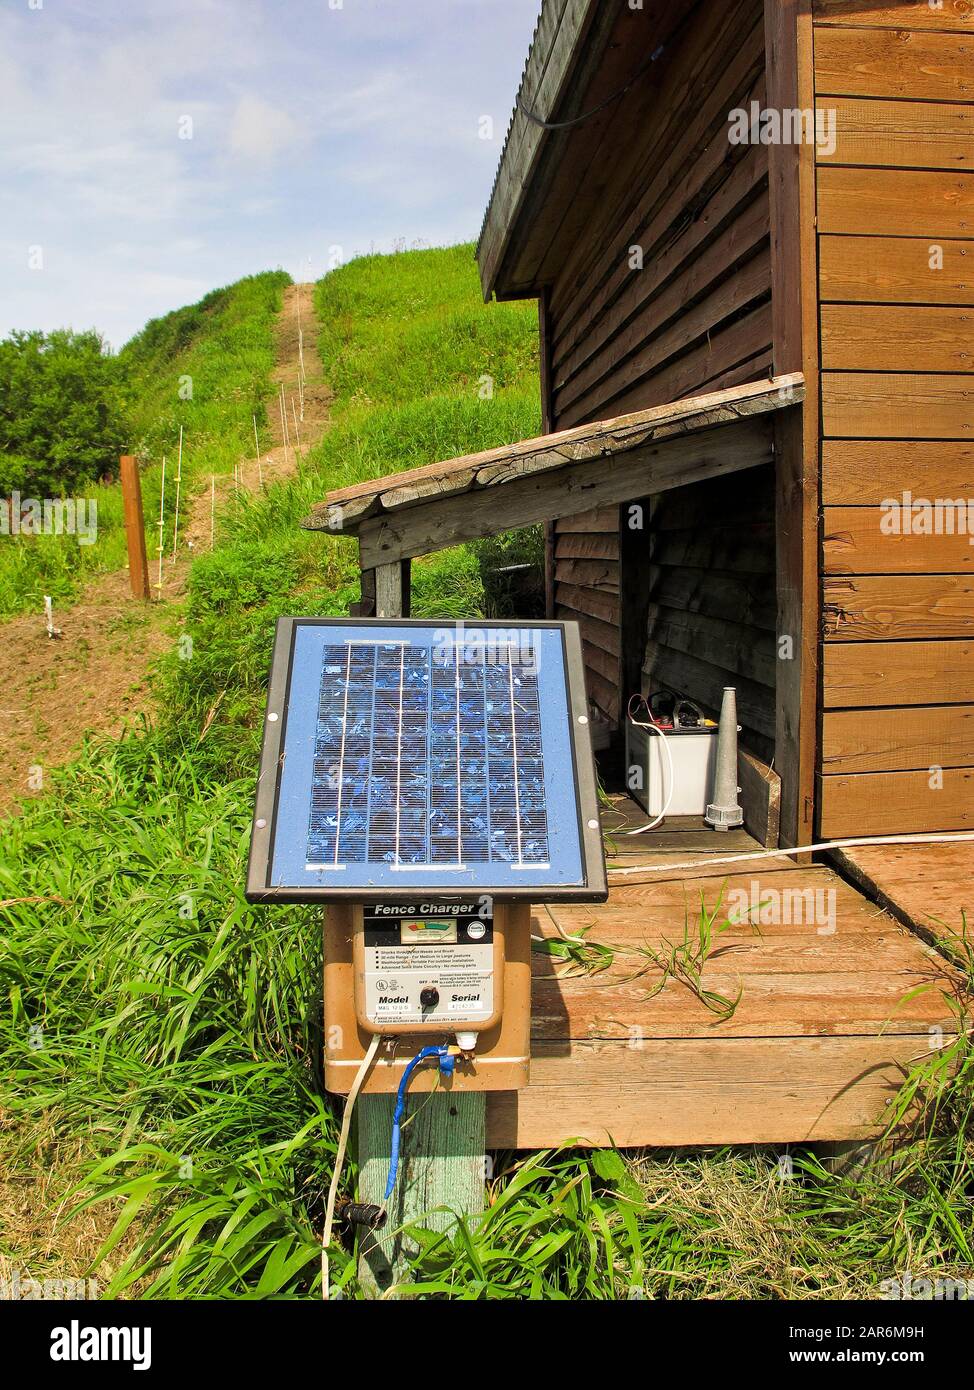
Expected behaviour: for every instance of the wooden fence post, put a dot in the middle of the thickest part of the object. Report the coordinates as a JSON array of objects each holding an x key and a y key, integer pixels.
[{"x": 134, "y": 525}]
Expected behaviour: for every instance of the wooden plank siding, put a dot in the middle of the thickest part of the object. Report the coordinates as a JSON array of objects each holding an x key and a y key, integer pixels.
[
  {"x": 895, "y": 203},
  {"x": 696, "y": 315},
  {"x": 895, "y": 270},
  {"x": 587, "y": 591},
  {"x": 910, "y": 15},
  {"x": 865, "y": 675},
  {"x": 710, "y": 544}
]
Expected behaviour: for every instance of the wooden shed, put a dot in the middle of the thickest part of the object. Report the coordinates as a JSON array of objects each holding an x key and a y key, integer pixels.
[
  {"x": 669, "y": 261},
  {"x": 749, "y": 226}
]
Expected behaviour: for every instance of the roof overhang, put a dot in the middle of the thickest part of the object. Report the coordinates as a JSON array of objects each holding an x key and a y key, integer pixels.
[
  {"x": 583, "y": 58},
  {"x": 559, "y": 474}
]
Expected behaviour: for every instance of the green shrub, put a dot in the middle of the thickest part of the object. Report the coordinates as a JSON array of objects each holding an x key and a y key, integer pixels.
[{"x": 62, "y": 424}]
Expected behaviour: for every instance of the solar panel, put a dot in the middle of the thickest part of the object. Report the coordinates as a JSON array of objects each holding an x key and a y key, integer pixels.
[{"x": 407, "y": 755}]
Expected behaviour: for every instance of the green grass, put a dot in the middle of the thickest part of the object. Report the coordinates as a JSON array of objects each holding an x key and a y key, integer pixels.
[
  {"x": 222, "y": 351},
  {"x": 158, "y": 1016},
  {"x": 396, "y": 330},
  {"x": 32, "y": 566},
  {"x": 161, "y": 1041},
  {"x": 423, "y": 371},
  {"x": 176, "y": 1029}
]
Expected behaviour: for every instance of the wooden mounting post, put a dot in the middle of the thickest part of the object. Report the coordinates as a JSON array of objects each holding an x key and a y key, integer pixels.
[
  {"x": 443, "y": 1160},
  {"x": 442, "y": 1165},
  {"x": 365, "y": 606},
  {"x": 134, "y": 525},
  {"x": 385, "y": 592},
  {"x": 794, "y": 306}
]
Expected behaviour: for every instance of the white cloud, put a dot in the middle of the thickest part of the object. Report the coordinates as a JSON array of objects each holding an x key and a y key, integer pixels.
[
  {"x": 260, "y": 131},
  {"x": 311, "y": 127}
]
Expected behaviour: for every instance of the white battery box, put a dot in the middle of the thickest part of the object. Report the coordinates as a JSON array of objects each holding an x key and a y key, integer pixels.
[{"x": 694, "y": 755}]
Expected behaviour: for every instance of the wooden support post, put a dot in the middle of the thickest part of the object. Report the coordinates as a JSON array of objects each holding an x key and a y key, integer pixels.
[
  {"x": 635, "y": 533},
  {"x": 134, "y": 525},
  {"x": 858, "y": 1158},
  {"x": 549, "y": 568},
  {"x": 385, "y": 592},
  {"x": 442, "y": 1164},
  {"x": 392, "y": 590},
  {"x": 794, "y": 314}
]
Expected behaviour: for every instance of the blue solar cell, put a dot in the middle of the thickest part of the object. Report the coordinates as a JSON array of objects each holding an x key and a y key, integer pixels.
[{"x": 413, "y": 755}]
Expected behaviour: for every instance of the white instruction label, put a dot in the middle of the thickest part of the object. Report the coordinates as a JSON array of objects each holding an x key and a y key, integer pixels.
[{"x": 420, "y": 983}]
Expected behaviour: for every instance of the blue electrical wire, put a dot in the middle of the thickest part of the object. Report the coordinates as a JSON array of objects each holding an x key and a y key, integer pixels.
[{"x": 447, "y": 1062}]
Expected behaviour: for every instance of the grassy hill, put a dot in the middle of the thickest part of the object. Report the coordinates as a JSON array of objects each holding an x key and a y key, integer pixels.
[
  {"x": 160, "y": 1052},
  {"x": 423, "y": 371},
  {"x": 205, "y": 367}
]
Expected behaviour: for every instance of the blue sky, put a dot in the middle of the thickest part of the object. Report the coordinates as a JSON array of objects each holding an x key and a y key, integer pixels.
[{"x": 318, "y": 128}]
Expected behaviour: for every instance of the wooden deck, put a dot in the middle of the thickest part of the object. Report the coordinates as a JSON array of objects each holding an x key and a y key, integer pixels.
[
  {"x": 929, "y": 887},
  {"x": 814, "y": 1050}
]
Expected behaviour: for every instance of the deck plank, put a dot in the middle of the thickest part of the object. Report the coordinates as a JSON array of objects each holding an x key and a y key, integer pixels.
[
  {"x": 928, "y": 887},
  {"x": 827, "y": 1024},
  {"x": 771, "y": 1005},
  {"x": 694, "y": 1091}
]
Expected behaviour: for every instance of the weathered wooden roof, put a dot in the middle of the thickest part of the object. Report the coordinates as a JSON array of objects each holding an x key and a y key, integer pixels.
[
  {"x": 550, "y": 61},
  {"x": 584, "y": 57},
  {"x": 518, "y": 484}
]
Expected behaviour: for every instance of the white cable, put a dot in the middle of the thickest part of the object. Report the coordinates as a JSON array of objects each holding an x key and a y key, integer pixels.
[
  {"x": 356, "y": 1086},
  {"x": 641, "y": 829},
  {"x": 948, "y": 837}
]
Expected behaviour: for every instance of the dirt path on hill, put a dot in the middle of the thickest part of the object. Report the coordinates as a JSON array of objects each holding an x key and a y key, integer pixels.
[
  {"x": 94, "y": 677},
  {"x": 296, "y": 337}
]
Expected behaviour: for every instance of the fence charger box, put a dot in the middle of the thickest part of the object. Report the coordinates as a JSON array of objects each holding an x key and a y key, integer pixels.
[{"x": 694, "y": 755}]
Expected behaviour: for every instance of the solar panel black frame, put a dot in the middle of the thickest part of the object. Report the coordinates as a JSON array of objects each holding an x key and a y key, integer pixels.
[{"x": 259, "y": 887}]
